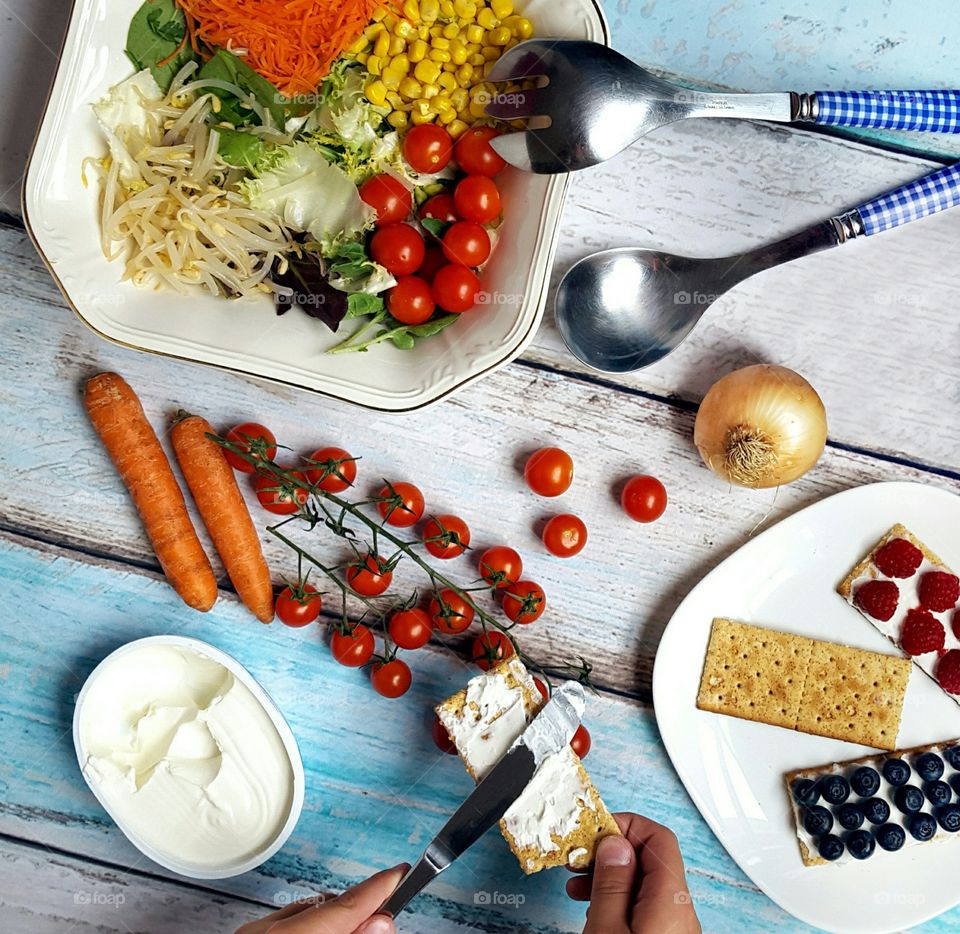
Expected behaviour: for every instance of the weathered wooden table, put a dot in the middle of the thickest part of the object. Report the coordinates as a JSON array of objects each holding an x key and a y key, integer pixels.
[{"x": 873, "y": 326}]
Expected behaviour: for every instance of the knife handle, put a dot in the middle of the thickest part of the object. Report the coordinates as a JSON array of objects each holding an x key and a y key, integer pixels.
[{"x": 418, "y": 877}]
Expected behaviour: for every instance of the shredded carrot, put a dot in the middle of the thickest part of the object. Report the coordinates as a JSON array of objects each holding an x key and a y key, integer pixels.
[{"x": 291, "y": 43}]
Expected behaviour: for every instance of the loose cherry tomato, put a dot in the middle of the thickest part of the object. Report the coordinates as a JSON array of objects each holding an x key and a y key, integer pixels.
[
  {"x": 398, "y": 248},
  {"x": 440, "y": 207},
  {"x": 427, "y": 148},
  {"x": 466, "y": 243},
  {"x": 410, "y": 301},
  {"x": 298, "y": 606},
  {"x": 410, "y": 629},
  {"x": 449, "y": 612},
  {"x": 477, "y": 198},
  {"x": 490, "y": 648},
  {"x": 581, "y": 741},
  {"x": 401, "y": 504},
  {"x": 441, "y": 738},
  {"x": 280, "y": 495},
  {"x": 475, "y": 155},
  {"x": 433, "y": 262},
  {"x": 455, "y": 288},
  {"x": 332, "y": 470},
  {"x": 391, "y": 679},
  {"x": 500, "y": 566},
  {"x": 254, "y": 439},
  {"x": 389, "y": 197},
  {"x": 542, "y": 688},
  {"x": 354, "y": 648},
  {"x": 368, "y": 577},
  {"x": 524, "y": 601},
  {"x": 549, "y": 471},
  {"x": 565, "y": 535},
  {"x": 446, "y": 536},
  {"x": 644, "y": 498}
]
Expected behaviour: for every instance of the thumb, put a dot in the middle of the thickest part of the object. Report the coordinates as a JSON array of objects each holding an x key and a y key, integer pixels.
[{"x": 614, "y": 884}]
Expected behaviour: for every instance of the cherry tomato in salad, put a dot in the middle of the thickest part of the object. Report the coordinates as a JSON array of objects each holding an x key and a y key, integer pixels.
[
  {"x": 644, "y": 498},
  {"x": 332, "y": 470},
  {"x": 354, "y": 648},
  {"x": 280, "y": 495},
  {"x": 581, "y": 741},
  {"x": 368, "y": 577},
  {"x": 455, "y": 288},
  {"x": 477, "y": 198},
  {"x": 410, "y": 629},
  {"x": 410, "y": 301},
  {"x": 389, "y": 197},
  {"x": 542, "y": 688},
  {"x": 298, "y": 606},
  {"x": 500, "y": 566},
  {"x": 401, "y": 506},
  {"x": 433, "y": 262},
  {"x": 441, "y": 738},
  {"x": 449, "y": 612},
  {"x": 524, "y": 601},
  {"x": 446, "y": 536},
  {"x": 440, "y": 207},
  {"x": 565, "y": 535},
  {"x": 427, "y": 148},
  {"x": 549, "y": 471},
  {"x": 254, "y": 439},
  {"x": 391, "y": 679},
  {"x": 475, "y": 155},
  {"x": 490, "y": 648},
  {"x": 466, "y": 243},
  {"x": 398, "y": 248}
]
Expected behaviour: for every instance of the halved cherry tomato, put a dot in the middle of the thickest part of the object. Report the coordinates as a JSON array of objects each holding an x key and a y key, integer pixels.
[
  {"x": 524, "y": 601},
  {"x": 391, "y": 679},
  {"x": 565, "y": 535},
  {"x": 490, "y": 648},
  {"x": 427, "y": 148},
  {"x": 500, "y": 566},
  {"x": 581, "y": 741},
  {"x": 332, "y": 470},
  {"x": 449, "y": 612},
  {"x": 549, "y": 471},
  {"x": 466, "y": 243},
  {"x": 477, "y": 198},
  {"x": 644, "y": 498},
  {"x": 401, "y": 504},
  {"x": 298, "y": 606},
  {"x": 475, "y": 155},
  {"x": 410, "y": 301},
  {"x": 280, "y": 495},
  {"x": 368, "y": 577},
  {"x": 254, "y": 439},
  {"x": 446, "y": 536},
  {"x": 354, "y": 648},
  {"x": 440, "y": 207},
  {"x": 410, "y": 629},
  {"x": 398, "y": 248},
  {"x": 389, "y": 197},
  {"x": 455, "y": 288},
  {"x": 441, "y": 738}
]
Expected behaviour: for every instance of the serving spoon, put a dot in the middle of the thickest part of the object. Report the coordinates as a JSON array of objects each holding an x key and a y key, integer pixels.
[{"x": 625, "y": 309}]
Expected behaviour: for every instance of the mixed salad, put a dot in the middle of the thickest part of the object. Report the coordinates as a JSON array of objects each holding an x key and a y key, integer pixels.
[{"x": 335, "y": 155}]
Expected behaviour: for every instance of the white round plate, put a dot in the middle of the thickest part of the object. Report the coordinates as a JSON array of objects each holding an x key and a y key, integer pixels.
[{"x": 733, "y": 769}]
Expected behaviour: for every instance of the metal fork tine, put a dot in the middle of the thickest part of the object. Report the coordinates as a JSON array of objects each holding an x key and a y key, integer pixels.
[
  {"x": 529, "y": 150},
  {"x": 522, "y": 61},
  {"x": 518, "y": 104}
]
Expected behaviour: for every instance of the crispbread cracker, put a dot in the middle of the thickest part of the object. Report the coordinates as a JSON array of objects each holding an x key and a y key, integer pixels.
[{"x": 845, "y": 587}]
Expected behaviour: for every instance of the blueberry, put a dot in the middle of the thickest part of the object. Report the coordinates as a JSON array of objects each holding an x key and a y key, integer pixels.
[
  {"x": 850, "y": 817},
  {"x": 834, "y": 789},
  {"x": 896, "y": 771},
  {"x": 861, "y": 844},
  {"x": 922, "y": 826},
  {"x": 876, "y": 810},
  {"x": 955, "y": 784},
  {"x": 929, "y": 766},
  {"x": 805, "y": 791},
  {"x": 891, "y": 837},
  {"x": 830, "y": 847},
  {"x": 909, "y": 799},
  {"x": 948, "y": 817},
  {"x": 937, "y": 793},
  {"x": 817, "y": 820},
  {"x": 952, "y": 755},
  {"x": 865, "y": 781}
]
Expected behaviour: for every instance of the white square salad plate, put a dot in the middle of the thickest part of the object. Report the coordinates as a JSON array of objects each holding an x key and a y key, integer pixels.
[
  {"x": 733, "y": 769},
  {"x": 247, "y": 336}
]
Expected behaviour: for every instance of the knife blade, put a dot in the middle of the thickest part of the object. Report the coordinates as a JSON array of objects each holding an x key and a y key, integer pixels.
[{"x": 549, "y": 731}]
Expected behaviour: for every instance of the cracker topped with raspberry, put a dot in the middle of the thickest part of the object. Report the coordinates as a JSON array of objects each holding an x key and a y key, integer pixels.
[{"x": 913, "y": 598}]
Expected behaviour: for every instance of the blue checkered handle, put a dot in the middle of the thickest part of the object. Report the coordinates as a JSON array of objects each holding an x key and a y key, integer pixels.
[
  {"x": 931, "y": 111},
  {"x": 928, "y": 195}
]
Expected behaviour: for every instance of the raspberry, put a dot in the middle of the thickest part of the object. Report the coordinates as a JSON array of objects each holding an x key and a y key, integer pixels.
[
  {"x": 898, "y": 558},
  {"x": 878, "y": 599},
  {"x": 956, "y": 630},
  {"x": 921, "y": 633},
  {"x": 939, "y": 591},
  {"x": 948, "y": 671}
]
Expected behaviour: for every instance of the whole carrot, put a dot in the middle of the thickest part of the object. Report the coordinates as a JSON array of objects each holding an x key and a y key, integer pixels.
[
  {"x": 117, "y": 416},
  {"x": 225, "y": 514}
]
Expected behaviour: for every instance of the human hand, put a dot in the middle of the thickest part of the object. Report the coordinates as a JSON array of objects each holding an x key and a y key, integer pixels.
[
  {"x": 637, "y": 885},
  {"x": 350, "y": 913}
]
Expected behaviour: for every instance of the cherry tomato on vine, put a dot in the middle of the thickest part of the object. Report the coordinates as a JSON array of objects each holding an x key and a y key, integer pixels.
[
  {"x": 401, "y": 504},
  {"x": 565, "y": 535},
  {"x": 644, "y": 498},
  {"x": 455, "y": 288},
  {"x": 524, "y": 601},
  {"x": 440, "y": 207},
  {"x": 475, "y": 155},
  {"x": 410, "y": 629},
  {"x": 391, "y": 679},
  {"x": 477, "y": 198},
  {"x": 254, "y": 439},
  {"x": 298, "y": 606},
  {"x": 549, "y": 471},
  {"x": 542, "y": 688},
  {"x": 398, "y": 248},
  {"x": 368, "y": 577},
  {"x": 410, "y": 301},
  {"x": 281, "y": 495},
  {"x": 446, "y": 536},
  {"x": 581, "y": 741},
  {"x": 389, "y": 197},
  {"x": 354, "y": 648},
  {"x": 333, "y": 470},
  {"x": 427, "y": 148},
  {"x": 466, "y": 243},
  {"x": 449, "y": 612},
  {"x": 441, "y": 738},
  {"x": 500, "y": 566},
  {"x": 490, "y": 648}
]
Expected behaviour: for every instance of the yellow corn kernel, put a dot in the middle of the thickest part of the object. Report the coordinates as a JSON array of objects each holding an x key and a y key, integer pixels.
[
  {"x": 427, "y": 71},
  {"x": 411, "y": 10},
  {"x": 417, "y": 51},
  {"x": 358, "y": 46},
  {"x": 523, "y": 28},
  {"x": 376, "y": 92},
  {"x": 374, "y": 30},
  {"x": 447, "y": 117},
  {"x": 478, "y": 108},
  {"x": 449, "y": 67},
  {"x": 410, "y": 88},
  {"x": 458, "y": 52},
  {"x": 398, "y": 120},
  {"x": 465, "y": 8},
  {"x": 446, "y": 9},
  {"x": 400, "y": 63},
  {"x": 476, "y": 60},
  {"x": 374, "y": 64},
  {"x": 451, "y": 31},
  {"x": 390, "y": 21},
  {"x": 380, "y": 13},
  {"x": 459, "y": 98},
  {"x": 439, "y": 55},
  {"x": 440, "y": 42},
  {"x": 392, "y": 78},
  {"x": 490, "y": 53},
  {"x": 474, "y": 33},
  {"x": 405, "y": 29},
  {"x": 501, "y": 8},
  {"x": 436, "y": 30},
  {"x": 423, "y": 32},
  {"x": 457, "y": 128},
  {"x": 429, "y": 11},
  {"x": 397, "y": 45},
  {"x": 500, "y": 36},
  {"x": 430, "y": 90},
  {"x": 362, "y": 57},
  {"x": 442, "y": 105},
  {"x": 381, "y": 45},
  {"x": 487, "y": 18},
  {"x": 447, "y": 81},
  {"x": 419, "y": 119},
  {"x": 396, "y": 101}
]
